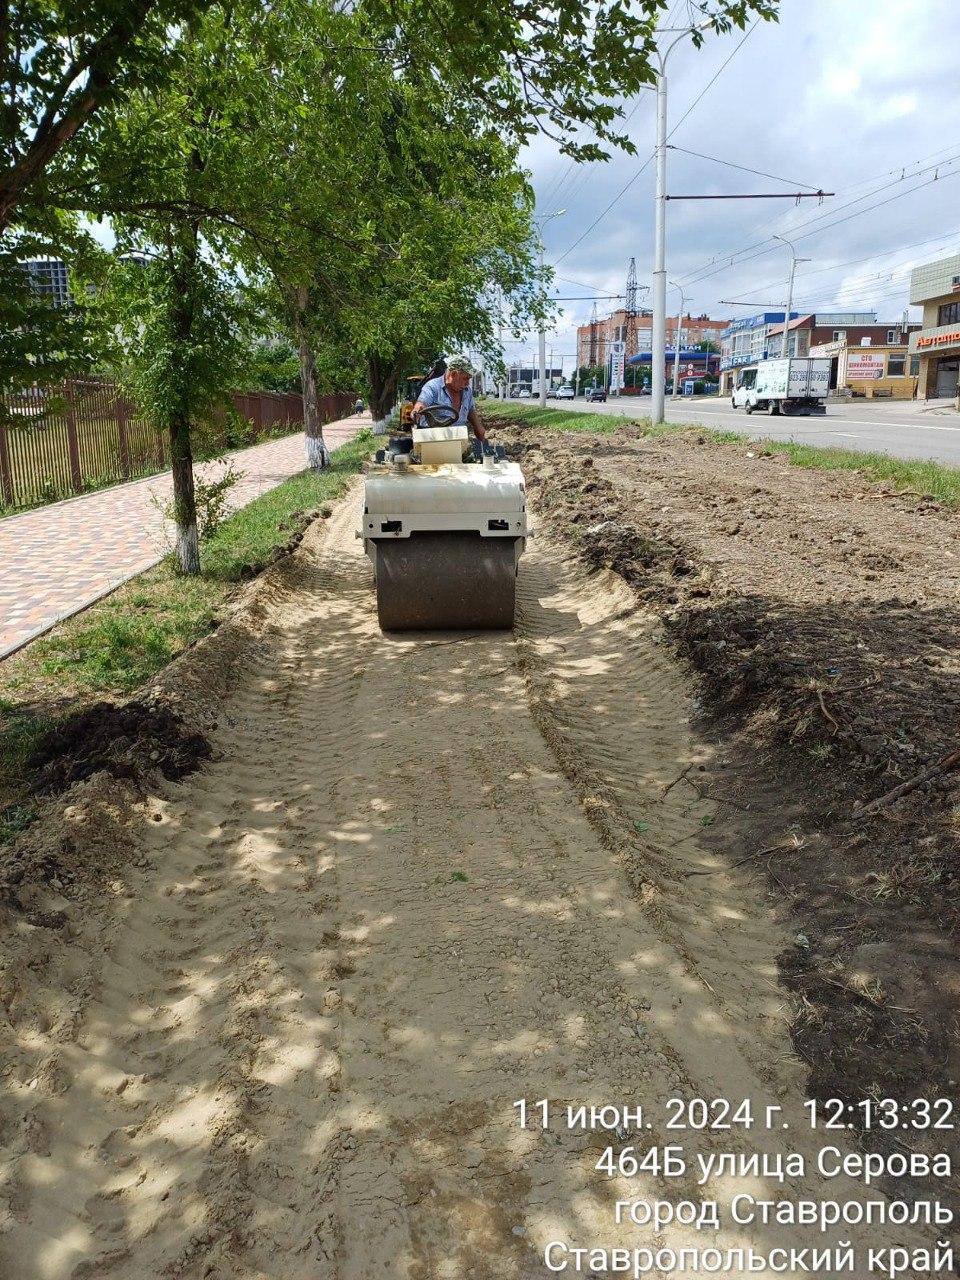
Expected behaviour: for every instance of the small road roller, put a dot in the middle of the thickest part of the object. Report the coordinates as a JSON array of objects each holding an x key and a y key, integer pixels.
[{"x": 445, "y": 524}]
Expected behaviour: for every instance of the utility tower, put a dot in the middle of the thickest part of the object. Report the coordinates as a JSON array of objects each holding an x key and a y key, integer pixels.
[
  {"x": 630, "y": 309},
  {"x": 593, "y": 336}
]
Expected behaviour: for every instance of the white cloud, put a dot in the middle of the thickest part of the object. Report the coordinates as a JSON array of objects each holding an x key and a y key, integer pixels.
[{"x": 834, "y": 96}]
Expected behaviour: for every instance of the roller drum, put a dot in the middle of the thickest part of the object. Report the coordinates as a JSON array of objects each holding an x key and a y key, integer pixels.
[{"x": 446, "y": 581}]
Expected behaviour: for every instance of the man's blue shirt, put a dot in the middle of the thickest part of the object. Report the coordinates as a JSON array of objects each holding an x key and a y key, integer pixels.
[{"x": 435, "y": 392}]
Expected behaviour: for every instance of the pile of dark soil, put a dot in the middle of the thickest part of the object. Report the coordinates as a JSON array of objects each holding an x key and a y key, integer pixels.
[
  {"x": 820, "y": 614},
  {"x": 128, "y": 741}
]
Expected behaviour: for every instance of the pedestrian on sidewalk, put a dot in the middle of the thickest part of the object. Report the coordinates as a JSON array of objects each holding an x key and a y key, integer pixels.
[{"x": 358, "y": 407}]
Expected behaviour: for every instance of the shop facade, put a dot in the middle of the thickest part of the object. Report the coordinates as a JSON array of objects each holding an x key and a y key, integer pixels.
[{"x": 936, "y": 287}]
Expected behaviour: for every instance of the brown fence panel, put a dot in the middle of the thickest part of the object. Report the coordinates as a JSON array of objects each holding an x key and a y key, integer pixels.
[
  {"x": 62, "y": 440},
  {"x": 38, "y": 446},
  {"x": 95, "y": 408},
  {"x": 269, "y": 411}
]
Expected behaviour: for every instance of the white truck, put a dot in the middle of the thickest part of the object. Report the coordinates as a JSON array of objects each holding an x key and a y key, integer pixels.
[{"x": 797, "y": 384}]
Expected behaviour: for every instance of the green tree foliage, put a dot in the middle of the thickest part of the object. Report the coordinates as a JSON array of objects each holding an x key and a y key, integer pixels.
[
  {"x": 272, "y": 365},
  {"x": 355, "y": 165},
  {"x": 171, "y": 168},
  {"x": 60, "y": 64},
  {"x": 590, "y": 375},
  {"x": 558, "y": 68}
]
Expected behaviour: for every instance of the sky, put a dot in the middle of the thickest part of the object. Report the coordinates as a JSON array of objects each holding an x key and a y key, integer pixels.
[{"x": 861, "y": 100}]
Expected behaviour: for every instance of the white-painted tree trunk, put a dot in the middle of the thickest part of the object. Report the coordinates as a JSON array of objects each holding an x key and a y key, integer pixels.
[
  {"x": 188, "y": 548},
  {"x": 318, "y": 455}
]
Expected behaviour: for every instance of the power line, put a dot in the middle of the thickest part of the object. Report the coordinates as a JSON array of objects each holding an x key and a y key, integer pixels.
[
  {"x": 764, "y": 249},
  {"x": 742, "y": 167},
  {"x": 869, "y": 257},
  {"x": 623, "y": 191},
  {"x": 579, "y": 180},
  {"x": 702, "y": 273}
]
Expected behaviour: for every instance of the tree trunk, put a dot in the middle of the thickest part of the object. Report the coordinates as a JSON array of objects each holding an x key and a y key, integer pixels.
[
  {"x": 384, "y": 379},
  {"x": 181, "y": 448},
  {"x": 184, "y": 497},
  {"x": 318, "y": 455}
]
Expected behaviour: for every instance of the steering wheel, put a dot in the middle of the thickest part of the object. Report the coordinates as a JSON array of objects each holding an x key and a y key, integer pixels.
[{"x": 437, "y": 415}]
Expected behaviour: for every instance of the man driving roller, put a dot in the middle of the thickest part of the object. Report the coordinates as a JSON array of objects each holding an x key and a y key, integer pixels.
[{"x": 453, "y": 390}]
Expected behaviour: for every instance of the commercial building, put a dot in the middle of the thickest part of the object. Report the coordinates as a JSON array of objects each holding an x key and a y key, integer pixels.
[
  {"x": 595, "y": 341},
  {"x": 746, "y": 341},
  {"x": 760, "y": 337},
  {"x": 48, "y": 276},
  {"x": 850, "y": 328},
  {"x": 882, "y": 371},
  {"x": 936, "y": 288}
]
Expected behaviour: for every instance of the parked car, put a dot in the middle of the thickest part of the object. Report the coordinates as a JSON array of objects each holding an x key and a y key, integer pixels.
[
  {"x": 565, "y": 393},
  {"x": 596, "y": 393},
  {"x": 524, "y": 394}
]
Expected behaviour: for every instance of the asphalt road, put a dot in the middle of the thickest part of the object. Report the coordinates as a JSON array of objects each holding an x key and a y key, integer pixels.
[{"x": 904, "y": 429}]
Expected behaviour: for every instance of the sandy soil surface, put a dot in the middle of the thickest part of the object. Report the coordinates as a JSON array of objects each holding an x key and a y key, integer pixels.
[
  {"x": 819, "y": 615},
  {"x": 272, "y": 1019}
]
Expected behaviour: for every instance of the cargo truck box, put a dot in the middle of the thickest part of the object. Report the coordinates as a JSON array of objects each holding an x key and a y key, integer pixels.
[{"x": 798, "y": 384}]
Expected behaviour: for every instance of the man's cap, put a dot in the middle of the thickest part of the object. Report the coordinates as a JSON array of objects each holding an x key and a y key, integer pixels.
[{"x": 459, "y": 364}]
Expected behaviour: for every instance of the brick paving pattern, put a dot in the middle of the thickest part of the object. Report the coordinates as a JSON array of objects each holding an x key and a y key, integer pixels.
[{"x": 58, "y": 559}]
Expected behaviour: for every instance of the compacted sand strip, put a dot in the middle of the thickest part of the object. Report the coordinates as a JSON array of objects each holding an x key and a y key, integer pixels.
[{"x": 424, "y": 877}]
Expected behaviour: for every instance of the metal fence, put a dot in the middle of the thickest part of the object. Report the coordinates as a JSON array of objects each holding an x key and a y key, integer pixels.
[{"x": 83, "y": 435}]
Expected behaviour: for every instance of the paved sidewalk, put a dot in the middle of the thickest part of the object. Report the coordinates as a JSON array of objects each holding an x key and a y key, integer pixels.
[{"x": 56, "y": 560}]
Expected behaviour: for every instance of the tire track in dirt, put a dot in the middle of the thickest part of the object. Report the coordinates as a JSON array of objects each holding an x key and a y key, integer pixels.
[{"x": 398, "y": 900}]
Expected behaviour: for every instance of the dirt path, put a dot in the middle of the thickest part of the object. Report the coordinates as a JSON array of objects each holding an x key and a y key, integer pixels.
[{"x": 423, "y": 878}]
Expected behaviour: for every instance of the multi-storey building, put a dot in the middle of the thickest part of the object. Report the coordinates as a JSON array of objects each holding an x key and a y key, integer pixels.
[
  {"x": 936, "y": 287},
  {"x": 48, "y": 276},
  {"x": 594, "y": 342},
  {"x": 848, "y": 328},
  {"x": 746, "y": 341}
]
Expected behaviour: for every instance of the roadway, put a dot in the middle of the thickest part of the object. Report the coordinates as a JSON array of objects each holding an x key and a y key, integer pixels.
[{"x": 908, "y": 429}]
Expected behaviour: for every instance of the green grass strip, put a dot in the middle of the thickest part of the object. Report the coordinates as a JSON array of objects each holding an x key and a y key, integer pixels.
[
  {"x": 925, "y": 478},
  {"x": 123, "y": 640}
]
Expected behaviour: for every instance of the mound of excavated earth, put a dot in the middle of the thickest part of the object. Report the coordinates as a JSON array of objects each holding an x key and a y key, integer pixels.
[{"x": 820, "y": 614}]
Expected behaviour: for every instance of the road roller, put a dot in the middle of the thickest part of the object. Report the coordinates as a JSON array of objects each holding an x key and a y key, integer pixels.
[{"x": 445, "y": 524}]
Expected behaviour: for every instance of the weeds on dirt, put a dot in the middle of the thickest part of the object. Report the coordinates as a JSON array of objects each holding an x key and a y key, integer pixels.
[
  {"x": 603, "y": 424},
  {"x": 14, "y": 819},
  {"x": 924, "y": 480},
  {"x": 210, "y": 499}
]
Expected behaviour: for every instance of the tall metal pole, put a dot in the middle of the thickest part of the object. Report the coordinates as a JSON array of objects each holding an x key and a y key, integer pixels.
[
  {"x": 543, "y": 349},
  {"x": 678, "y": 342},
  {"x": 785, "y": 344},
  {"x": 658, "y": 353}
]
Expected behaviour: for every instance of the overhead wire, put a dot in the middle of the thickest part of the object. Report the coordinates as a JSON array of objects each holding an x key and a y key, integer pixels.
[
  {"x": 765, "y": 247},
  {"x": 742, "y": 167},
  {"x": 723, "y": 262},
  {"x": 624, "y": 189},
  {"x": 942, "y": 237}
]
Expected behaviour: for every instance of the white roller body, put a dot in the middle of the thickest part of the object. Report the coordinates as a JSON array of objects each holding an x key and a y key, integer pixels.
[{"x": 489, "y": 499}]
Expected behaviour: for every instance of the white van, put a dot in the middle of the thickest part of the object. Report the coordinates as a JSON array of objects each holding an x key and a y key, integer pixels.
[{"x": 798, "y": 384}]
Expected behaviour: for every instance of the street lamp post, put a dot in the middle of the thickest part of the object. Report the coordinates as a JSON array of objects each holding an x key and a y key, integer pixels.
[
  {"x": 677, "y": 340},
  {"x": 542, "y": 222},
  {"x": 785, "y": 344},
  {"x": 658, "y": 354}
]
